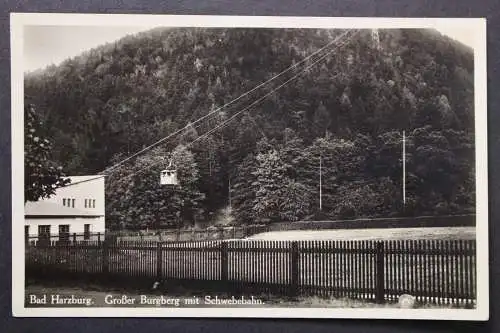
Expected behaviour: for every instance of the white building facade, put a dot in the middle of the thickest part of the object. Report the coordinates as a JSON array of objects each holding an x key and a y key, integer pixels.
[{"x": 77, "y": 209}]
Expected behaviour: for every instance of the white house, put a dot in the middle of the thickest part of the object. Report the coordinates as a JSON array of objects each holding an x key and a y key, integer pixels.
[{"x": 77, "y": 208}]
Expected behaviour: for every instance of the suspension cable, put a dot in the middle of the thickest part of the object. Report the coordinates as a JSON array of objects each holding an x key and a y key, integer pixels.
[
  {"x": 222, "y": 107},
  {"x": 223, "y": 124}
]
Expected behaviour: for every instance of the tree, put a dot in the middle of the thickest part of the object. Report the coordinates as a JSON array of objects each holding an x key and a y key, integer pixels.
[
  {"x": 128, "y": 95},
  {"x": 135, "y": 191},
  {"x": 269, "y": 186},
  {"x": 443, "y": 168},
  {"x": 209, "y": 158},
  {"x": 242, "y": 190},
  {"x": 191, "y": 198},
  {"x": 120, "y": 196},
  {"x": 338, "y": 158},
  {"x": 322, "y": 118},
  {"x": 41, "y": 175},
  {"x": 297, "y": 201}
]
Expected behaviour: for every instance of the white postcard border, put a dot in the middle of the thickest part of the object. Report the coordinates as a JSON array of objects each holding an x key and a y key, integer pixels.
[{"x": 478, "y": 25}]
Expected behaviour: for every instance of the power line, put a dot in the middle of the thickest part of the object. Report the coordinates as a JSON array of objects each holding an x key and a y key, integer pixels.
[
  {"x": 245, "y": 109},
  {"x": 320, "y": 184},
  {"x": 222, "y": 107},
  {"x": 238, "y": 113}
]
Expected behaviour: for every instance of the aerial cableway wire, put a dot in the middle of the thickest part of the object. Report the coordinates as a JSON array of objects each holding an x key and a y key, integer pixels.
[
  {"x": 111, "y": 169},
  {"x": 225, "y": 105},
  {"x": 224, "y": 123}
]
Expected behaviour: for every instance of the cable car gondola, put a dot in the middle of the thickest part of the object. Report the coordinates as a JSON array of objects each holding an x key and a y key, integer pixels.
[{"x": 168, "y": 176}]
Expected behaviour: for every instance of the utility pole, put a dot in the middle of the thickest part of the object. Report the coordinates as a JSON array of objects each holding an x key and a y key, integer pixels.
[
  {"x": 320, "y": 186},
  {"x": 404, "y": 169},
  {"x": 229, "y": 191}
]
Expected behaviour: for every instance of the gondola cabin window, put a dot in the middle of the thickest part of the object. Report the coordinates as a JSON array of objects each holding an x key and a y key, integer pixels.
[{"x": 168, "y": 177}]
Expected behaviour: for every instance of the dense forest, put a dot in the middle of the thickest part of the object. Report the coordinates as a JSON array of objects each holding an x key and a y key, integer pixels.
[{"x": 344, "y": 113}]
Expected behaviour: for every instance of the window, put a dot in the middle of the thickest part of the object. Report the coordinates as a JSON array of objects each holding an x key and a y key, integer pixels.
[
  {"x": 44, "y": 232},
  {"x": 93, "y": 203},
  {"x": 73, "y": 203},
  {"x": 85, "y": 203},
  {"x": 64, "y": 232},
  {"x": 64, "y": 202},
  {"x": 86, "y": 231}
]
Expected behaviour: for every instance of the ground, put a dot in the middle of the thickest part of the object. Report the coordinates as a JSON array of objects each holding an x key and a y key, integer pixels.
[
  {"x": 448, "y": 233},
  {"x": 98, "y": 295}
]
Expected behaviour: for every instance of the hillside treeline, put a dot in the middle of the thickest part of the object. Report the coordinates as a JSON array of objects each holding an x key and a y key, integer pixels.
[{"x": 345, "y": 113}]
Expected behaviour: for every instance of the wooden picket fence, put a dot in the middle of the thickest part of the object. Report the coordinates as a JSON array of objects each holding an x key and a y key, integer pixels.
[
  {"x": 169, "y": 235},
  {"x": 441, "y": 272}
]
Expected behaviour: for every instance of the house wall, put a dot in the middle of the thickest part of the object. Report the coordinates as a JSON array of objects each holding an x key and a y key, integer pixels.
[
  {"x": 76, "y": 224},
  {"x": 90, "y": 190}
]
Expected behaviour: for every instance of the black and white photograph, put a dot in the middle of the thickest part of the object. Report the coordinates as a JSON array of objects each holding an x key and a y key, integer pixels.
[{"x": 237, "y": 166}]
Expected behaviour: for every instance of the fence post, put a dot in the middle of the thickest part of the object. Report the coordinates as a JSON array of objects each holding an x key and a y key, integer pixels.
[
  {"x": 99, "y": 238},
  {"x": 74, "y": 237},
  {"x": 294, "y": 269},
  {"x": 105, "y": 256},
  {"x": 159, "y": 262},
  {"x": 379, "y": 281},
  {"x": 224, "y": 262}
]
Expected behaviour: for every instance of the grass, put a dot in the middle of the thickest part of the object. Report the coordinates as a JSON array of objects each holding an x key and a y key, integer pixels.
[
  {"x": 438, "y": 233},
  {"x": 447, "y": 233}
]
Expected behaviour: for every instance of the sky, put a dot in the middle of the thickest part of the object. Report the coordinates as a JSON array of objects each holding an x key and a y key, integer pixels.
[
  {"x": 463, "y": 35},
  {"x": 46, "y": 45}
]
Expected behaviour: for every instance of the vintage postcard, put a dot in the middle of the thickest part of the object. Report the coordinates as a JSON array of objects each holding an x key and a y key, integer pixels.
[{"x": 230, "y": 166}]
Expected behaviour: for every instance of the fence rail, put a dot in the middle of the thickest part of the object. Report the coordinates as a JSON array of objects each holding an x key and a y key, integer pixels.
[
  {"x": 437, "y": 272},
  {"x": 172, "y": 235},
  {"x": 73, "y": 238}
]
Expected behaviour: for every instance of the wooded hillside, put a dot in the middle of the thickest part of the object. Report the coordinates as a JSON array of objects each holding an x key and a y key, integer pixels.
[{"x": 350, "y": 109}]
